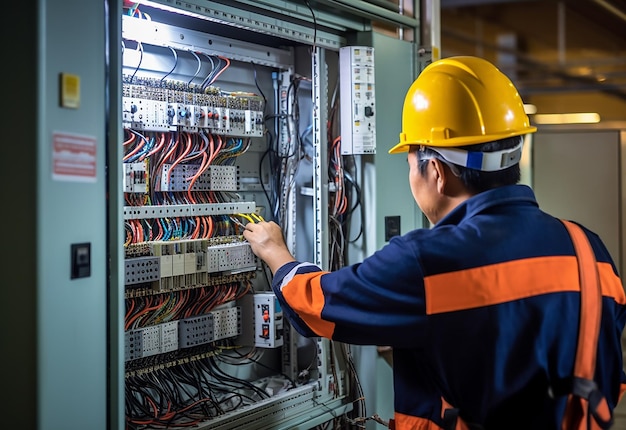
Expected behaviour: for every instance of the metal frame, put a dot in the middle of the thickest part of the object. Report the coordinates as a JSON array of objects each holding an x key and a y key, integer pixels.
[
  {"x": 115, "y": 234},
  {"x": 320, "y": 163},
  {"x": 160, "y": 34},
  {"x": 258, "y": 22},
  {"x": 287, "y": 134},
  {"x": 290, "y": 410},
  {"x": 622, "y": 205}
]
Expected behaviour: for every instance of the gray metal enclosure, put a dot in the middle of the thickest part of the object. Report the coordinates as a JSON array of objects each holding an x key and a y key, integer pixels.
[{"x": 577, "y": 174}]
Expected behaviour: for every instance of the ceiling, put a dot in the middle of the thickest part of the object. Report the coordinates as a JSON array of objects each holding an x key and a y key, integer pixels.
[
  {"x": 546, "y": 47},
  {"x": 562, "y": 55}
]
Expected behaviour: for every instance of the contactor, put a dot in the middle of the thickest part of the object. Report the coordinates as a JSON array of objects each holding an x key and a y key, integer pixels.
[{"x": 268, "y": 321}]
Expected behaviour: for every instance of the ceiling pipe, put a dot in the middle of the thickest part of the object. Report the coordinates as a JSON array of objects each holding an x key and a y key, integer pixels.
[
  {"x": 372, "y": 11},
  {"x": 538, "y": 65},
  {"x": 608, "y": 6},
  {"x": 561, "y": 39}
]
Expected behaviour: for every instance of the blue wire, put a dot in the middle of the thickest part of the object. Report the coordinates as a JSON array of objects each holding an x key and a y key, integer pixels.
[
  {"x": 166, "y": 233},
  {"x": 175, "y": 229},
  {"x": 146, "y": 148},
  {"x": 185, "y": 227},
  {"x": 140, "y": 153}
]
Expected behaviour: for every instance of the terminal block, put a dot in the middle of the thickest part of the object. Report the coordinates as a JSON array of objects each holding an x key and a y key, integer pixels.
[
  {"x": 195, "y": 331},
  {"x": 226, "y": 323},
  {"x": 149, "y": 341},
  {"x": 230, "y": 257},
  {"x": 141, "y": 270},
  {"x": 216, "y": 325},
  {"x": 213, "y": 178}
]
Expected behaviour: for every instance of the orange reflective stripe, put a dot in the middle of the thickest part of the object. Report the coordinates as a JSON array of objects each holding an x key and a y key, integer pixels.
[
  {"x": 513, "y": 280},
  {"x": 304, "y": 295},
  {"x": 409, "y": 422},
  {"x": 611, "y": 284},
  {"x": 499, "y": 283},
  {"x": 622, "y": 390}
]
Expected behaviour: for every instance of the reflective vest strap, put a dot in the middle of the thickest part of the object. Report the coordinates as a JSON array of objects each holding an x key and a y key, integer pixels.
[
  {"x": 586, "y": 400},
  {"x": 451, "y": 418},
  {"x": 590, "y": 304}
]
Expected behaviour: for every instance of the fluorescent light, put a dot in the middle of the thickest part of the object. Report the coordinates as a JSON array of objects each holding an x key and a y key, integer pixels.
[
  {"x": 530, "y": 109},
  {"x": 567, "y": 118}
]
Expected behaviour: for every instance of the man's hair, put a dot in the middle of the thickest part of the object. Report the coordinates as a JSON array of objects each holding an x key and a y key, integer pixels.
[{"x": 477, "y": 181}]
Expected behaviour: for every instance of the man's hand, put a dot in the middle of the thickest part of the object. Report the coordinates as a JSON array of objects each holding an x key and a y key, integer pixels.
[{"x": 267, "y": 243}]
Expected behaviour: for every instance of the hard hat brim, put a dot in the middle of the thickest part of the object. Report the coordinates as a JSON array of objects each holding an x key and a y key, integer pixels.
[
  {"x": 399, "y": 148},
  {"x": 461, "y": 141}
]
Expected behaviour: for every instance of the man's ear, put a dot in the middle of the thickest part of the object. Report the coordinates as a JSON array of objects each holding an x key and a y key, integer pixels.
[{"x": 440, "y": 175}]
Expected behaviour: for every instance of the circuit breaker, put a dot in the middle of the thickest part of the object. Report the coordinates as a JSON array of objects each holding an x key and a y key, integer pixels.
[
  {"x": 268, "y": 321},
  {"x": 358, "y": 101}
]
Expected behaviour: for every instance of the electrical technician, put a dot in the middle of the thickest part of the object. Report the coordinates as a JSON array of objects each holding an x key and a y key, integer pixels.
[{"x": 482, "y": 310}]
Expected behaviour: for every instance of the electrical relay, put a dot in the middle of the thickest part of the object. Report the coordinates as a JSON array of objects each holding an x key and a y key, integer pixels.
[{"x": 268, "y": 321}]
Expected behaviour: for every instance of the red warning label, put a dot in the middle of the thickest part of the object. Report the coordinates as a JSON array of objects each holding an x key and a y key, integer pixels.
[{"x": 73, "y": 157}]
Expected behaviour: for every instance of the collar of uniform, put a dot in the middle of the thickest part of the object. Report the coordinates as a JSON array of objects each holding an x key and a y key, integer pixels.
[{"x": 494, "y": 197}]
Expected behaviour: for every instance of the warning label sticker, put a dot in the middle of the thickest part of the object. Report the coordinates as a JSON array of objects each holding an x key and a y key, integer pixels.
[{"x": 73, "y": 157}]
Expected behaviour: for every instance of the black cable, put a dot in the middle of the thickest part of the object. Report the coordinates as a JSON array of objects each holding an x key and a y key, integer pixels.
[
  {"x": 193, "y": 377},
  {"x": 357, "y": 204},
  {"x": 226, "y": 377},
  {"x": 208, "y": 76},
  {"x": 258, "y": 362},
  {"x": 256, "y": 82},
  {"x": 140, "y": 47},
  {"x": 175, "y": 64},
  {"x": 314, "y": 25},
  {"x": 199, "y": 67}
]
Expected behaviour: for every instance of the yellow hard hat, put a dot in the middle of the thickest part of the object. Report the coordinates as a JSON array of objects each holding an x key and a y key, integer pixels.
[{"x": 459, "y": 101}]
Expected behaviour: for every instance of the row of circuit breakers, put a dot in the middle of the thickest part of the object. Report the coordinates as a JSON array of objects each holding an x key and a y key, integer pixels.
[{"x": 151, "y": 105}]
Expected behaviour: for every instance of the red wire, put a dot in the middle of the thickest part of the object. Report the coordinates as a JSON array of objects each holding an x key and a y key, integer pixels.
[
  {"x": 140, "y": 144},
  {"x": 221, "y": 71},
  {"x": 180, "y": 157}
]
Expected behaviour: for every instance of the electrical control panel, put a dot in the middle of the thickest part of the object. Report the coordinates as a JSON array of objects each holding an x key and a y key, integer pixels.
[
  {"x": 268, "y": 321},
  {"x": 212, "y": 140},
  {"x": 358, "y": 100}
]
